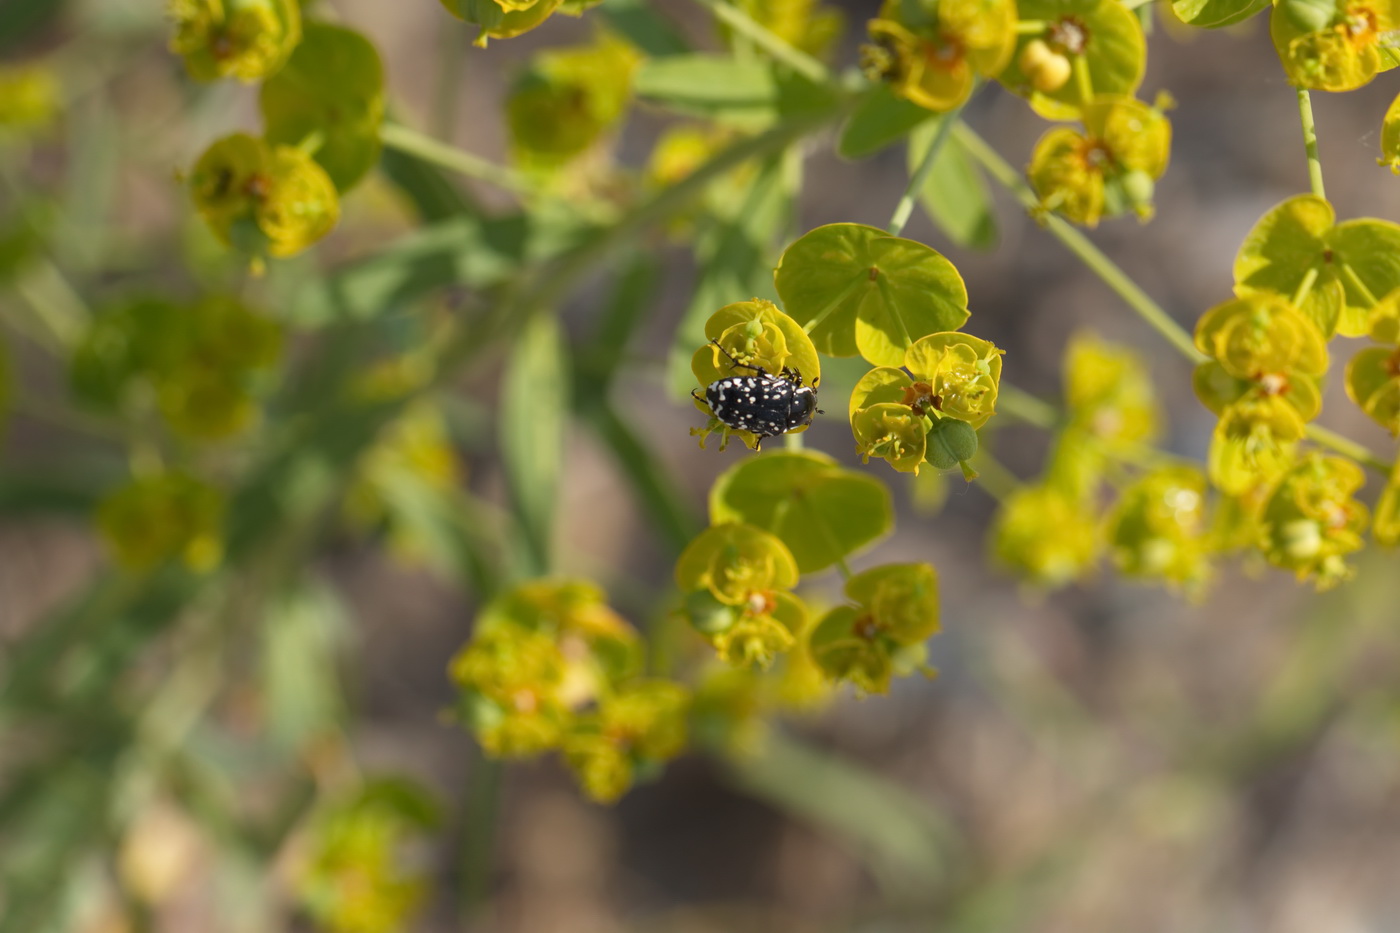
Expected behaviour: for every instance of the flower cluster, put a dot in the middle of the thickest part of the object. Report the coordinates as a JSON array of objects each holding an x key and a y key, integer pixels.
[
  {"x": 1311, "y": 520},
  {"x": 931, "y": 413},
  {"x": 200, "y": 365},
  {"x": 158, "y": 518},
  {"x": 244, "y": 39},
  {"x": 893, "y": 612},
  {"x": 1053, "y": 531},
  {"x": 355, "y": 876},
  {"x": 1109, "y": 169},
  {"x": 1373, "y": 375},
  {"x": 737, "y": 582},
  {"x": 568, "y": 98},
  {"x": 261, "y": 199},
  {"x": 1262, "y": 380},
  {"x": 1335, "y": 45},
  {"x": 932, "y": 53},
  {"x": 551, "y": 667},
  {"x": 321, "y": 101}
]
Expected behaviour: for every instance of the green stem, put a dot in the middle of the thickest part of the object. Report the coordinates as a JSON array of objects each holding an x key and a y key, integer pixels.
[
  {"x": 1082, "y": 247},
  {"x": 1083, "y": 79},
  {"x": 905, "y": 207},
  {"x": 1031, "y": 27},
  {"x": 796, "y": 59},
  {"x": 413, "y": 143},
  {"x": 994, "y": 478},
  {"x": 1021, "y": 405},
  {"x": 1305, "y": 113},
  {"x": 1348, "y": 448}
]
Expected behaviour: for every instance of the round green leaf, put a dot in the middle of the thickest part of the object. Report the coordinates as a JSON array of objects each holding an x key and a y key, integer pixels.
[
  {"x": 858, "y": 290},
  {"x": 1216, "y": 14},
  {"x": 1114, "y": 48},
  {"x": 1370, "y": 249},
  {"x": 1284, "y": 245},
  {"x": 331, "y": 87},
  {"x": 821, "y": 511}
]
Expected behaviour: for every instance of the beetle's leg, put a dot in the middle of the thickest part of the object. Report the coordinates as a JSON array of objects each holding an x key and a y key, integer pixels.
[{"x": 735, "y": 363}]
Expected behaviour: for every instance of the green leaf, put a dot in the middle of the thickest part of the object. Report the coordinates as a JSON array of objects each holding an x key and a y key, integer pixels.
[
  {"x": 300, "y": 692},
  {"x": 331, "y": 89},
  {"x": 1370, "y": 250},
  {"x": 879, "y": 120},
  {"x": 856, "y": 289},
  {"x": 534, "y": 409},
  {"x": 903, "y": 839},
  {"x": 640, "y": 24},
  {"x": 821, "y": 511},
  {"x": 1216, "y": 14},
  {"x": 472, "y": 252},
  {"x": 1284, "y": 245},
  {"x": 747, "y": 94},
  {"x": 954, "y": 195},
  {"x": 734, "y": 260}
]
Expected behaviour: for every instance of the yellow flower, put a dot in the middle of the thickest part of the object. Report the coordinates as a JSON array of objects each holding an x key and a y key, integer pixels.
[
  {"x": 264, "y": 200},
  {"x": 1344, "y": 52},
  {"x": 932, "y": 53},
  {"x": 29, "y": 98},
  {"x": 1045, "y": 535},
  {"x": 1311, "y": 521},
  {"x": 1253, "y": 443},
  {"x": 1158, "y": 527},
  {"x": 1108, "y": 169},
  {"x": 157, "y": 518},
  {"x": 244, "y": 39}
]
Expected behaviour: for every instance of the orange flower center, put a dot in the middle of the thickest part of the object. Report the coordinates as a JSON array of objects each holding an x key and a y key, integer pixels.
[{"x": 944, "y": 53}]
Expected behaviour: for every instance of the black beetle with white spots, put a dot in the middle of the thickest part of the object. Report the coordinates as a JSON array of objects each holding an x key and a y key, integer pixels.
[{"x": 763, "y": 403}]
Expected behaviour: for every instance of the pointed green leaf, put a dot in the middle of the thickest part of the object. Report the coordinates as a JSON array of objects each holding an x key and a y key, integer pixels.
[
  {"x": 856, "y": 289},
  {"x": 533, "y": 414},
  {"x": 748, "y": 94},
  {"x": 879, "y": 120},
  {"x": 954, "y": 194}
]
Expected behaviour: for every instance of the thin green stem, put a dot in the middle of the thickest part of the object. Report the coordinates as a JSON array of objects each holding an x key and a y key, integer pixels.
[
  {"x": 1031, "y": 27},
  {"x": 905, "y": 207},
  {"x": 1021, "y": 405},
  {"x": 1077, "y": 243},
  {"x": 410, "y": 142},
  {"x": 796, "y": 59},
  {"x": 1348, "y": 448},
  {"x": 1083, "y": 79},
  {"x": 993, "y": 477},
  {"x": 1305, "y": 113}
]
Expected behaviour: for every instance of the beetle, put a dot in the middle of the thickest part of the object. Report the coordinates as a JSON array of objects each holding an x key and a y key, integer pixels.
[{"x": 763, "y": 403}]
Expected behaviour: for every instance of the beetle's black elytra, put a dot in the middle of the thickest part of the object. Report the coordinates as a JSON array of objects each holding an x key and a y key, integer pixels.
[{"x": 765, "y": 404}]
